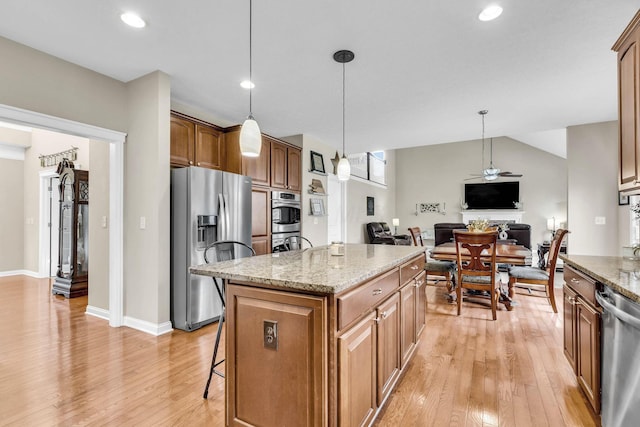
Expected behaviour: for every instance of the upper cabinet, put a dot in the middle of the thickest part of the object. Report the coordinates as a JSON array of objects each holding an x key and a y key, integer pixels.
[
  {"x": 285, "y": 166},
  {"x": 255, "y": 167},
  {"x": 195, "y": 144},
  {"x": 629, "y": 105}
]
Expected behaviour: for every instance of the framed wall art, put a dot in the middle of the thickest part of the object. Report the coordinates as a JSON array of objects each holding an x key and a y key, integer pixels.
[{"x": 317, "y": 162}]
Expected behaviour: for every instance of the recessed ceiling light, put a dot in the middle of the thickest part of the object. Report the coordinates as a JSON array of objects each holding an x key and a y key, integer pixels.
[
  {"x": 247, "y": 84},
  {"x": 490, "y": 13},
  {"x": 133, "y": 20}
]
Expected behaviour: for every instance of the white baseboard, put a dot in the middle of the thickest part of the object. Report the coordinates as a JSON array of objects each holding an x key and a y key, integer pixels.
[
  {"x": 148, "y": 327},
  {"x": 97, "y": 312},
  {"x": 21, "y": 273}
]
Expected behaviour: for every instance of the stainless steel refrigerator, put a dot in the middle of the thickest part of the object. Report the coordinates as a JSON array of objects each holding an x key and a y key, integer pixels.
[{"x": 206, "y": 206}]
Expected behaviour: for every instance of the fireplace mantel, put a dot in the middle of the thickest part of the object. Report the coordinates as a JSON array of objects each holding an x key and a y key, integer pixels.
[{"x": 502, "y": 215}]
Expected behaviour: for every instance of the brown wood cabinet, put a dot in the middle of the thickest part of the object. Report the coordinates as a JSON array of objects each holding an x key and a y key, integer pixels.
[
  {"x": 357, "y": 358},
  {"x": 285, "y": 166},
  {"x": 627, "y": 47},
  {"x": 261, "y": 220},
  {"x": 258, "y": 168},
  {"x": 280, "y": 374},
  {"x": 388, "y": 346},
  {"x": 195, "y": 143},
  {"x": 582, "y": 332}
]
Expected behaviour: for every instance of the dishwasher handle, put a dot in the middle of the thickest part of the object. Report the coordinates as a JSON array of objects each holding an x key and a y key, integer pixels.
[{"x": 604, "y": 301}]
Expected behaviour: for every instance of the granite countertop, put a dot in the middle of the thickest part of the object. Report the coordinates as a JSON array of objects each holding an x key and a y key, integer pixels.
[
  {"x": 620, "y": 274},
  {"x": 313, "y": 269}
]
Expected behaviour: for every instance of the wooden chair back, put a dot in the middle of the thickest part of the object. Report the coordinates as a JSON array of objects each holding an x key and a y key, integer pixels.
[
  {"x": 476, "y": 253},
  {"x": 416, "y": 236},
  {"x": 554, "y": 250}
]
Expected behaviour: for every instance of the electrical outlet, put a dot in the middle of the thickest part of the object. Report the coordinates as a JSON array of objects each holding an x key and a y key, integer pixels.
[
  {"x": 143, "y": 223},
  {"x": 270, "y": 328},
  {"x": 601, "y": 220}
]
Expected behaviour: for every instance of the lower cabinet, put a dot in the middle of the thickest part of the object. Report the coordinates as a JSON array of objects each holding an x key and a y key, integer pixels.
[
  {"x": 588, "y": 355},
  {"x": 388, "y": 346},
  {"x": 582, "y": 324},
  {"x": 357, "y": 360}
]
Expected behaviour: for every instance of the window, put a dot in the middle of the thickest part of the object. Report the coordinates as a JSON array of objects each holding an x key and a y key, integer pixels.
[{"x": 370, "y": 166}]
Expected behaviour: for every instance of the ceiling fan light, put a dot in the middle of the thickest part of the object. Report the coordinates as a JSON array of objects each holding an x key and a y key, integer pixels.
[
  {"x": 344, "y": 169},
  {"x": 250, "y": 138}
]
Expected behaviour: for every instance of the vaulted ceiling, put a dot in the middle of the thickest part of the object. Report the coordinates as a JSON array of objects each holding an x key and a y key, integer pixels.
[{"x": 421, "y": 72}]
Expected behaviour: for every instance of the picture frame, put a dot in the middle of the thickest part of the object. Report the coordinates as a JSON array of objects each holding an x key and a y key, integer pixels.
[
  {"x": 317, "y": 207},
  {"x": 370, "y": 206},
  {"x": 623, "y": 199},
  {"x": 317, "y": 162}
]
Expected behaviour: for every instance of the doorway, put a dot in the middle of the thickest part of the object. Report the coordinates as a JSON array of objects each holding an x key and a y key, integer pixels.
[
  {"x": 49, "y": 223},
  {"x": 116, "y": 191}
]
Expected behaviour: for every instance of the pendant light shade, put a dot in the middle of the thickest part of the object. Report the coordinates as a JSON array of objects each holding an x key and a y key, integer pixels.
[
  {"x": 344, "y": 168},
  {"x": 250, "y": 137}
]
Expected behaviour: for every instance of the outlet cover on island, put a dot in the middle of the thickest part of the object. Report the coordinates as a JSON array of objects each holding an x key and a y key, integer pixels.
[{"x": 601, "y": 220}]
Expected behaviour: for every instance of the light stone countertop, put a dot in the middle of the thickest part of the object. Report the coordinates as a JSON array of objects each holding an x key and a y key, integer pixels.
[
  {"x": 620, "y": 274},
  {"x": 313, "y": 269}
]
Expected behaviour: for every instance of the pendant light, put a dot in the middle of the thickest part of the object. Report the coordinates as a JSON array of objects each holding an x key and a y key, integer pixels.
[
  {"x": 344, "y": 168},
  {"x": 490, "y": 173},
  {"x": 250, "y": 136}
]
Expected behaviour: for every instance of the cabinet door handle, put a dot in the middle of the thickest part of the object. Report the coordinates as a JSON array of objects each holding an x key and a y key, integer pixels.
[
  {"x": 414, "y": 267},
  {"x": 574, "y": 280},
  {"x": 198, "y": 163},
  {"x": 384, "y": 315},
  {"x": 377, "y": 291},
  {"x": 571, "y": 300},
  {"x": 190, "y": 162},
  {"x": 377, "y": 320}
]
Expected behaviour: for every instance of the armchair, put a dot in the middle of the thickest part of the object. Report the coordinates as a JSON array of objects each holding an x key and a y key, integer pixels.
[{"x": 380, "y": 234}]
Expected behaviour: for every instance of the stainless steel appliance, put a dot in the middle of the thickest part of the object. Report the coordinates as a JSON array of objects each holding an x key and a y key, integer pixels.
[
  {"x": 285, "y": 220},
  {"x": 620, "y": 368},
  {"x": 206, "y": 206}
]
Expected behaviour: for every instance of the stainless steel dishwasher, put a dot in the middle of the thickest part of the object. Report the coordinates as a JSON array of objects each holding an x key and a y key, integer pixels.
[{"x": 620, "y": 352}]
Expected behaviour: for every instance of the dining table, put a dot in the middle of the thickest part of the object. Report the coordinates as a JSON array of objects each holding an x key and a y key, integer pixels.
[{"x": 506, "y": 253}]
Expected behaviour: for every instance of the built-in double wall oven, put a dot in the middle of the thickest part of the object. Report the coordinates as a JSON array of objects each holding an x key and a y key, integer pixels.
[{"x": 285, "y": 220}]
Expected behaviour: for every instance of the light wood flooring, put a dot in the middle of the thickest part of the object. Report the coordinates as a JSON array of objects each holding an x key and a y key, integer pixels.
[{"x": 59, "y": 366}]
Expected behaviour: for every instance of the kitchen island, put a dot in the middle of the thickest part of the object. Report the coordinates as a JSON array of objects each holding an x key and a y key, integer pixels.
[{"x": 315, "y": 339}]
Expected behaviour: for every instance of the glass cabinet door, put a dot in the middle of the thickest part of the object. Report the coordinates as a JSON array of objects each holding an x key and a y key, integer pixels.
[{"x": 66, "y": 228}]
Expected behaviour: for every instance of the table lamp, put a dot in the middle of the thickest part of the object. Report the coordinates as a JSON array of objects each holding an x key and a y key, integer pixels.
[
  {"x": 551, "y": 226},
  {"x": 395, "y": 222}
]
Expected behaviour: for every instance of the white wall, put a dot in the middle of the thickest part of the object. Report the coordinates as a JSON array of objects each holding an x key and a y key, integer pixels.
[
  {"x": 99, "y": 234},
  {"x": 437, "y": 173},
  {"x": 592, "y": 154}
]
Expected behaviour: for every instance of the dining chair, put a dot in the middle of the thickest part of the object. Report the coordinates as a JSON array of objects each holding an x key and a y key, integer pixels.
[
  {"x": 222, "y": 250},
  {"x": 477, "y": 269},
  {"x": 539, "y": 279},
  {"x": 444, "y": 269}
]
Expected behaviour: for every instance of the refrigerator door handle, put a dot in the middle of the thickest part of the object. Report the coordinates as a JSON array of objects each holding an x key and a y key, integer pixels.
[
  {"x": 227, "y": 219},
  {"x": 222, "y": 235}
]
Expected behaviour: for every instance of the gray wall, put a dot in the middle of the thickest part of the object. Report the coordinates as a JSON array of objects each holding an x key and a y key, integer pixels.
[
  {"x": 42, "y": 83},
  {"x": 99, "y": 234},
  {"x": 592, "y": 153},
  {"x": 12, "y": 215},
  {"x": 437, "y": 174}
]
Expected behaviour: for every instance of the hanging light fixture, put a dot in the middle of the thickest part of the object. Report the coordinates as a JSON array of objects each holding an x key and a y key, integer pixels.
[
  {"x": 344, "y": 168},
  {"x": 250, "y": 136},
  {"x": 490, "y": 173}
]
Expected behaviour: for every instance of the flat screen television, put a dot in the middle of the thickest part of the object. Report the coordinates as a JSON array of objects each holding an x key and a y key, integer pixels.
[{"x": 492, "y": 195}]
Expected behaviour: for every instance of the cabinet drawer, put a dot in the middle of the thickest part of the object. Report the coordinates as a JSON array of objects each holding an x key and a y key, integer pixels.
[
  {"x": 584, "y": 285},
  {"x": 359, "y": 301},
  {"x": 411, "y": 269}
]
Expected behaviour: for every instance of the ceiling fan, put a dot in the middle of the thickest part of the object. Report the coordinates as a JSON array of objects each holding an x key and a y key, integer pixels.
[{"x": 491, "y": 173}]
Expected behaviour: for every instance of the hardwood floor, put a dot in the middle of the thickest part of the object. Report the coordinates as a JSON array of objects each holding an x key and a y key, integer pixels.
[{"x": 59, "y": 366}]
